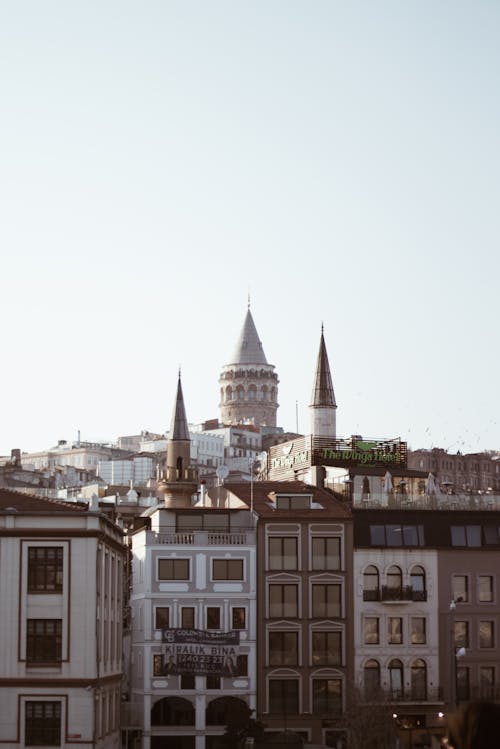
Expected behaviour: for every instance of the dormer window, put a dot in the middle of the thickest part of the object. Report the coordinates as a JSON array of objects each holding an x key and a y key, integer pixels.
[{"x": 293, "y": 501}]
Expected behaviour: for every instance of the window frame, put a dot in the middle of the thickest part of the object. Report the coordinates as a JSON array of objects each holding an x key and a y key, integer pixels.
[
  {"x": 158, "y": 615},
  {"x": 45, "y": 568},
  {"x": 35, "y": 734},
  {"x": 276, "y": 559},
  {"x": 181, "y": 568},
  {"x": 283, "y": 603},
  {"x": 286, "y": 653},
  {"x": 325, "y": 554},
  {"x": 326, "y": 608},
  {"x": 227, "y": 564},
  {"x": 330, "y": 654},
  {"x": 43, "y": 647}
]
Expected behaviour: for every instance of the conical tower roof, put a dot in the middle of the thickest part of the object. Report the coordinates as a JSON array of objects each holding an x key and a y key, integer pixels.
[
  {"x": 248, "y": 349},
  {"x": 322, "y": 393},
  {"x": 179, "y": 426}
]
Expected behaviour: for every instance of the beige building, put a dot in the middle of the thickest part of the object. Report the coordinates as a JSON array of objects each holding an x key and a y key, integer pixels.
[{"x": 61, "y": 588}]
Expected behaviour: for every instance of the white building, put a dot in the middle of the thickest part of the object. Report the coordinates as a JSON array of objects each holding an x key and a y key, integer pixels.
[
  {"x": 136, "y": 470},
  {"x": 61, "y": 588}
]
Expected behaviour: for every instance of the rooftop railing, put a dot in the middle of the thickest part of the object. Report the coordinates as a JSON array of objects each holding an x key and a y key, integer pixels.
[
  {"x": 385, "y": 501},
  {"x": 240, "y": 537}
]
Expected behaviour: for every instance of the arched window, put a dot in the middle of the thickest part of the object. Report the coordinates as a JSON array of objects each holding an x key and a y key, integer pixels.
[
  {"x": 240, "y": 393},
  {"x": 273, "y": 394},
  {"x": 366, "y": 488},
  {"x": 418, "y": 680},
  {"x": 417, "y": 582},
  {"x": 371, "y": 584},
  {"x": 229, "y": 393},
  {"x": 252, "y": 393},
  {"x": 172, "y": 711},
  {"x": 396, "y": 679},
  {"x": 263, "y": 393},
  {"x": 221, "y": 709},
  {"x": 371, "y": 679},
  {"x": 179, "y": 468},
  {"x": 394, "y": 587}
]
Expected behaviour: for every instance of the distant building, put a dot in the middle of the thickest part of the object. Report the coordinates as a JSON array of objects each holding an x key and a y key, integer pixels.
[
  {"x": 456, "y": 472},
  {"x": 62, "y": 593}
]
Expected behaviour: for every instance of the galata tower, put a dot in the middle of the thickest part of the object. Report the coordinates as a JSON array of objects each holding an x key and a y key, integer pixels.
[{"x": 248, "y": 384}]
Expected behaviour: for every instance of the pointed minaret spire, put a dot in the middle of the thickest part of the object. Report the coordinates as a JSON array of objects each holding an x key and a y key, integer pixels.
[
  {"x": 180, "y": 478},
  {"x": 179, "y": 427},
  {"x": 323, "y": 405}
]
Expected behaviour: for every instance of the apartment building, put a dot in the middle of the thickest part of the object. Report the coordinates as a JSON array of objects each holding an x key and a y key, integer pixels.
[{"x": 61, "y": 588}]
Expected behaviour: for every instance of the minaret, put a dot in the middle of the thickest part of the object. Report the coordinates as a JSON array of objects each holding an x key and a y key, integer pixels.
[
  {"x": 180, "y": 478},
  {"x": 248, "y": 384},
  {"x": 323, "y": 406}
]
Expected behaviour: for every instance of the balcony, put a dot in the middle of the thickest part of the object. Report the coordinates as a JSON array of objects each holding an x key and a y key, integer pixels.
[
  {"x": 195, "y": 537},
  {"x": 387, "y": 594},
  {"x": 431, "y": 694}
]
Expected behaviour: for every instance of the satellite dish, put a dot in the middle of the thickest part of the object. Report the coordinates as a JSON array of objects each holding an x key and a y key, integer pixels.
[{"x": 222, "y": 472}]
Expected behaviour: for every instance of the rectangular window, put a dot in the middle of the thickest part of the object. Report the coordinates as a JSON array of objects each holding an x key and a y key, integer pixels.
[
  {"x": 487, "y": 682},
  {"x": 326, "y": 600},
  {"x": 158, "y": 665},
  {"x": 460, "y": 585},
  {"x": 283, "y": 648},
  {"x": 418, "y": 630},
  {"x": 162, "y": 617},
  {"x": 461, "y": 634},
  {"x": 485, "y": 588},
  {"x": 45, "y": 569},
  {"x": 486, "y": 634},
  {"x": 283, "y": 601},
  {"x": 44, "y": 640},
  {"x": 397, "y": 535},
  {"x": 327, "y": 696},
  {"x": 187, "y": 681},
  {"x": 173, "y": 569},
  {"x": 326, "y": 553},
  {"x": 394, "y": 630},
  {"x": 284, "y": 696},
  {"x": 187, "y": 617},
  {"x": 42, "y": 725},
  {"x": 283, "y": 553},
  {"x": 463, "y": 683},
  {"x": 213, "y": 617},
  {"x": 371, "y": 627},
  {"x": 466, "y": 535},
  {"x": 327, "y": 648},
  {"x": 242, "y": 665},
  {"x": 227, "y": 569},
  {"x": 238, "y": 617},
  {"x": 213, "y": 682}
]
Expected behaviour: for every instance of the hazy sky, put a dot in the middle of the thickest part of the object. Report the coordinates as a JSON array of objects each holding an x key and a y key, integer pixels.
[{"x": 339, "y": 159}]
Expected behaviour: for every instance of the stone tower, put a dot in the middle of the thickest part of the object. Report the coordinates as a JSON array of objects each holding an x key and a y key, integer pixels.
[
  {"x": 248, "y": 384},
  {"x": 323, "y": 407},
  {"x": 180, "y": 479}
]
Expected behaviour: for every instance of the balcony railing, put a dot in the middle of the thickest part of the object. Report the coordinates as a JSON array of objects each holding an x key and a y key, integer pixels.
[
  {"x": 386, "y": 593},
  {"x": 240, "y": 537},
  {"x": 431, "y": 694},
  {"x": 381, "y": 501}
]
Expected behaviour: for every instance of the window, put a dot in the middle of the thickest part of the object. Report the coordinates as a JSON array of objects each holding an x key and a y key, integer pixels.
[
  {"x": 466, "y": 535},
  {"x": 173, "y": 569},
  {"x": 418, "y": 630},
  {"x": 394, "y": 630},
  {"x": 371, "y": 584},
  {"x": 187, "y": 681},
  {"x": 284, "y": 696},
  {"x": 162, "y": 617},
  {"x": 485, "y": 588},
  {"x": 417, "y": 582},
  {"x": 487, "y": 682},
  {"x": 227, "y": 569},
  {"x": 283, "y": 648},
  {"x": 326, "y": 600},
  {"x": 394, "y": 579},
  {"x": 463, "y": 683},
  {"x": 187, "y": 617},
  {"x": 293, "y": 502},
  {"x": 419, "y": 680},
  {"x": 461, "y": 634},
  {"x": 397, "y": 535},
  {"x": 213, "y": 617},
  {"x": 371, "y": 630},
  {"x": 486, "y": 635},
  {"x": 42, "y": 725},
  {"x": 158, "y": 669},
  {"x": 202, "y": 521},
  {"x": 44, "y": 640},
  {"x": 396, "y": 679},
  {"x": 460, "y": 585},
  {"x": 239, "y": 617},
  {"x": 326, "y": 553},
  {"x": 213, "y": 682},
  {"x": 371, "y": 678},
  {"x": 327, "y": 696},
  {"x": 326, "y": 648},
  {"x": 242, "y": 665},
  {"x": 45, "y": 569},
  {"x": 283, "y": 553},
  {"x": 283, "y": 601}
]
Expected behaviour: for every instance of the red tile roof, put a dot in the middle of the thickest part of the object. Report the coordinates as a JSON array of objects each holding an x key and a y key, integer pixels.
[
  {"x": 263, "y": 505},
  {"x": 21, "y": 502}
]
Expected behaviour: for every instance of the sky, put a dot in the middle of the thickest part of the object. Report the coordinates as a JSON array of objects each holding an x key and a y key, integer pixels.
[{"x": 337, "y": 160}]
